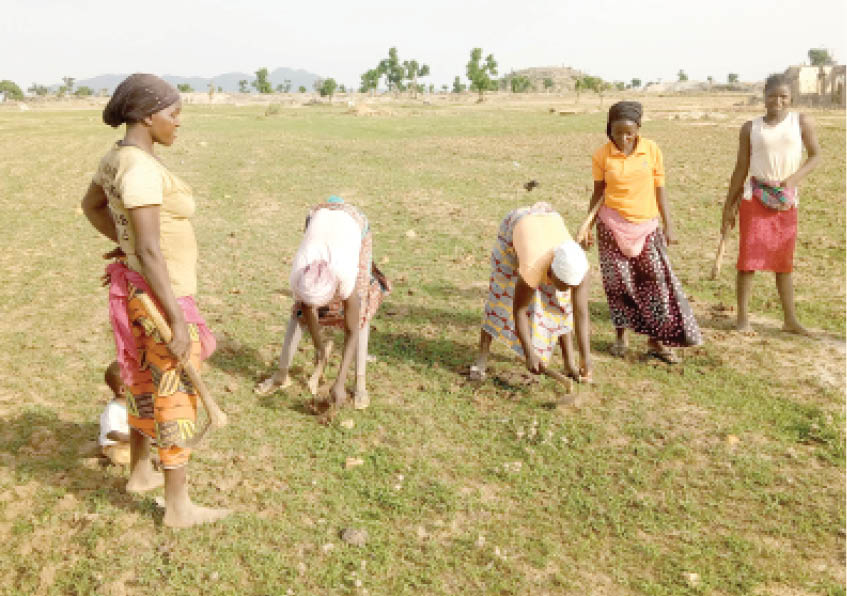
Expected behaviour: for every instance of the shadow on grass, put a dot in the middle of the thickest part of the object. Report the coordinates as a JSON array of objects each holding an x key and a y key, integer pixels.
[
  {"x": 234, "y": 357},
  {"x": 57, "y": 453}
]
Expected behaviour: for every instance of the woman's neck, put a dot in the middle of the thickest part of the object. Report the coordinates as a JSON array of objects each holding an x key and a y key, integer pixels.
[
  {"x": 775, "y": 118},
  {"x": 138, "y": 137}
]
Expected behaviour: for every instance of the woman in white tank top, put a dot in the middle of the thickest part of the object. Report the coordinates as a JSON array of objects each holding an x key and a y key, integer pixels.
[{"x": 763, "y": 191}]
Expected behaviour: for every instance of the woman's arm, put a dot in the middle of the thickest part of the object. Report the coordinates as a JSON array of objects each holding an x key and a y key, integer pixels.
[
  {"x": 582, "y": 323},
  {"x": 145, "y": 222},
  {"x": 813, "y": 150},
  {"x": 95, "y": 205},
  {"x": 665, "y": 212},
  {"x": 520, "y": 306},
  {"x": 739, "y": 176},
  {"x": 352, "y": 314},
  {"x": 597, "y": 195}
]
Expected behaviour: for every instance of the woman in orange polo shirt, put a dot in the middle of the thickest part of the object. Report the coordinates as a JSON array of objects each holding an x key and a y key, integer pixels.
[{"x": 643, "y": 293}]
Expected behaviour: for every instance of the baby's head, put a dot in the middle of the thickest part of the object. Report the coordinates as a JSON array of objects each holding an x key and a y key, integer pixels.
[{"x": 113, "y": 379}]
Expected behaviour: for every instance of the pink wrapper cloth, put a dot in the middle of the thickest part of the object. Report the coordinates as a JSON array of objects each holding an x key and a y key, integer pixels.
[
  {"x": 127, "y": 352},
  {"x": 628, "y": 236}
]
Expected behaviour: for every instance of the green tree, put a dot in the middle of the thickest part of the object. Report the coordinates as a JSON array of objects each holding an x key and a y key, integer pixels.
[
  {"x": 37, "y": 89},
  {"x": 681, "y": 76},
  {"x": 342, "y": 89},
  {"x": 620, "y": 85},
  {"x": 69, "y": 84},
  {"x": 710, "y": 79},
  {"x": 520, "y": 84},
  {"x": 600, "y": 88},
  {"x": 413, "y": 71},
  {"x": 732, "y": 78},
  {"x": 261, "y": 82},
  {"x": 242, "y": 86},
  {"x": 458, "y": 85},
  {"x": 548, "y": 84},
  {"x": 327, "y": 88},
  {"x": 480, "y": 73},
  {"x": 393, "y": 71},
  {"x": 577, "y": 87},
  {"x": 370, "y": 81},
  {"x": 301, "y": 89},
  {"x": 445, "y": 88},
  {"x": 820, "y": 57},
  {"x": 184, "y": 88},
  {"x": 636, "y": 83},
  {"x": 104, "y": 92},
  {"x": 286, "y": 86},
  {"x": 220, "y": 89},
  {"x": 11, "y": 90},
  {"x": 84, "y": 91}
]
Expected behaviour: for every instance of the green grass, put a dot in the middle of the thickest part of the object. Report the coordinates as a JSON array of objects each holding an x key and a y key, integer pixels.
[{"x": 730, "y": 466}]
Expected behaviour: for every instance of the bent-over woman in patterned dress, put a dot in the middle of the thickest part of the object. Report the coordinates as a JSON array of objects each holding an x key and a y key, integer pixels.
[
  {"x": 537, "y": 293},
  {"x": 335, "y": 284}
]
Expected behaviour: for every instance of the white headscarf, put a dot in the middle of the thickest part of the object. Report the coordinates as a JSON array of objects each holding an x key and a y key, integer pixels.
[
  {"x": 570, "y": 263},
  {"x": 312, "y": 280}
]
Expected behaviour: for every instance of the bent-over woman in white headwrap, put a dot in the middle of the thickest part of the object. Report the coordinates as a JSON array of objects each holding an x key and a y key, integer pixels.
[
  {"x": 334, "y": 283},
  {"x": 537, "y": 294}
]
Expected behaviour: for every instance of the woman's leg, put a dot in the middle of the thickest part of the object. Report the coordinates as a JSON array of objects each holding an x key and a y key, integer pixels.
[
  {"x": 478, "y": 367},
  {"x": 568, "y": 357},
  {"x": 280, "y": 379},
  {"x": 785, "y": 288},
  {"x": 360, "y": 398},
  {"x": 743, "y": 286},
  {"x": 621, "y": 342},
  {"x": 142, "y": 476}
]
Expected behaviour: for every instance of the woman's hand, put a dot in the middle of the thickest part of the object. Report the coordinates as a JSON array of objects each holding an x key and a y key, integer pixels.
[
  {"x": 180, "y": 344},
  {"x": 728, "y": 219},
  {"x": 115, "y": 253},
  {"x": 670, "y": 235},
  {"x": 789, "y": 183},
  {"x": 534, "y": 363}
]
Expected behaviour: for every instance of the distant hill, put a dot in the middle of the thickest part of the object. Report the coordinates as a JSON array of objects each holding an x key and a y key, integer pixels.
[
  {"x": 228, "y": 81},
  {"x": 563, "y": 77}
]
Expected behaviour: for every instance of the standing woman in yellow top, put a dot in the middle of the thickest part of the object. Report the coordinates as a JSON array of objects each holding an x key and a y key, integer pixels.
[
  {"x": 643, "y": 293},
  {"x": 136, "y": 201}
]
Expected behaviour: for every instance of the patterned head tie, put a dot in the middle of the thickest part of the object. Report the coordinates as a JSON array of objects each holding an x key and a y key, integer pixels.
[{"x": 138, "y": 96}]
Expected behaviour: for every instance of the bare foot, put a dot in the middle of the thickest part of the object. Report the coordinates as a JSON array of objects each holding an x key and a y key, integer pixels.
[
  {"x": 361, "y": 400},
  {"x": 272, "y": 384},
  {"x": 743, "y": 326},
  {"x": 144, "y": 481},
  {"x": 192, "y": 515},
  {"x": 797, "y": 328}
]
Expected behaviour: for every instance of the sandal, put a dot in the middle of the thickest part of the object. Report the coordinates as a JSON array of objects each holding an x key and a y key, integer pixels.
[
  {"x": 269, "y": 386},
  {"x": 618, "y": 350},
  {"x": 664, "y": 354},
  {"x": 476, "y": 373}
]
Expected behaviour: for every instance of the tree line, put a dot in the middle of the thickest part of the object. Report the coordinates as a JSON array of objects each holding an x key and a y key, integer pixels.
[{"x": 402, "y": 76}]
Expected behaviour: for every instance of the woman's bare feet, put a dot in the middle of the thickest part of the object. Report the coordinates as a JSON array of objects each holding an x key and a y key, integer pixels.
[
  {"x": 188, "y": 514},
  {"x": 144, "y": 478},
  {"x": 272, "y": 384},
  {"x": 743, "y": 325},
  {"x": 795, "y": 327}
]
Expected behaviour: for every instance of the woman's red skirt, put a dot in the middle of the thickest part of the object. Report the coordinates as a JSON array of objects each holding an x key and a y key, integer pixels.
[{"x": 767, "y": 237}]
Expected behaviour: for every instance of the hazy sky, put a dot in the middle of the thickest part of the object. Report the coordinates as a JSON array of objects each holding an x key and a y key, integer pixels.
[{"x": 42, "y": 40}]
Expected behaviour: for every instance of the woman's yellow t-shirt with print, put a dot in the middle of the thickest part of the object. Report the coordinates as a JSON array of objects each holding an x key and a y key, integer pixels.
[{"x": 133, "y": 178}]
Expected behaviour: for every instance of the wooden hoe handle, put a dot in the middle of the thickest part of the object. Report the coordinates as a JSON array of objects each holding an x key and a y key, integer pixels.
[{"x": 217, "y": 418}]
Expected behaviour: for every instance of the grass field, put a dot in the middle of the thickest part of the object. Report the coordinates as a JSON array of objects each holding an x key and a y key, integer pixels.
[{"x": 721, "y": 475}]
